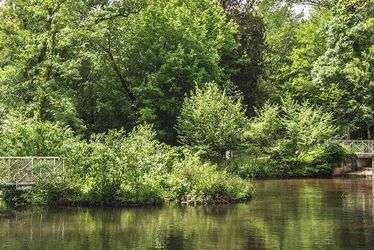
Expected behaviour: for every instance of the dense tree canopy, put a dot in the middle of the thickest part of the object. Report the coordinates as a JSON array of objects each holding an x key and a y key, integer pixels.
[
  {"x": 98, "y": 65},
  {"x": 344, "y": 73},
  {"x": 257, "y": 77}
]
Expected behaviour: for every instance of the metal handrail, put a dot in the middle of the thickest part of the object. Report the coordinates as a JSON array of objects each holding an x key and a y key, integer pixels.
[
  {"x": 367, "y": 145},
  {"x": 25, "y": 169}
]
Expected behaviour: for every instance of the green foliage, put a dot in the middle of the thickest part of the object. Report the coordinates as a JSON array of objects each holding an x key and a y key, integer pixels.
[
  {"x": 310, "y": 44},
  {"x": 176, "y": 44},
  {"x": 29, "y": 137},
  {"x": 280, "y": 26},
  {"x": 247, "y": 60},
  {"x": 211, "y": 120},
  {"x": 303, "y": 127},
  {"x": 195, "y": 182},
  {"x": 99, "y": 66},
  {"x": 132, "y": 169},
  {"x": 35, "y": 67},
  {"x": 53, "y": 189},
  {"x": 324, "y": 59},
  {"x": 248, "y": 167},
  {"x": 344, "y": 72},
  {"x": 264, "y": 128},
  {"x": 291, "y": 141},
  {"x": 118, "y": 168}
]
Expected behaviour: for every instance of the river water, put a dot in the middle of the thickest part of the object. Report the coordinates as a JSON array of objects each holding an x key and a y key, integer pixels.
[{"x": 285, "y": 214}]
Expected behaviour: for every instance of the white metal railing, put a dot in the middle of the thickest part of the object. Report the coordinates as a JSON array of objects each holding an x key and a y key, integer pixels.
[
  {"x": 25, "y": 171},
  {"x": 360, "y": 146}
]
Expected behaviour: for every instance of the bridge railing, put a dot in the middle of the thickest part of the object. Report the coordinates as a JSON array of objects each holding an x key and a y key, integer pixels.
[
  {"x": 359, "y": 146},
  {"x": 25, "y": 171}
]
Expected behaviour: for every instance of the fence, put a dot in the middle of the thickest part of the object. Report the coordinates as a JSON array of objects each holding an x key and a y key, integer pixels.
[
  {"x": 25, "y": 171},
  {"x": 359, "y": 146}
]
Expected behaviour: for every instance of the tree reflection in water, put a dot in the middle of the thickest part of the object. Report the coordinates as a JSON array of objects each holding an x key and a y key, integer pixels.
[{"x": 285, "y": 214}]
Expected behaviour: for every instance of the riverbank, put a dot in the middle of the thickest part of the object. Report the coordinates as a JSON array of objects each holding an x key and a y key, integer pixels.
[{"x": 362, "y": 173}]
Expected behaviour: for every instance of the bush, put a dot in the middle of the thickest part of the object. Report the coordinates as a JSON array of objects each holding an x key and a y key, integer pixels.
[
  {"x": 335, "y": 153},
  {"x": 294, "y": 138},
  {"x": 54, "y": 191},
  {"x": 303, "y": 128},
  {"x": 264, "y": 129},
  {"x": 212, "y": 121},
  {"x": 119, "y": 168},
  {"x": 195, "y": 182},
  {"x": 21, "y": 136},
  {"x": 259, "y": 168}
]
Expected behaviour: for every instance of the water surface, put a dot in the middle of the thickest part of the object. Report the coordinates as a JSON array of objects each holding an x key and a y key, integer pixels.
[{"x": 286, "y": 214}]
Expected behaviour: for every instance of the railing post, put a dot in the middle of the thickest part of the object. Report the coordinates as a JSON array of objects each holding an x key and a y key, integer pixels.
[
  {"x": 40, "y": 172},
  {"x": 10, "y": 169},
  {"x": 32, "y": 169},
  {"x": 63, "y": 171}
]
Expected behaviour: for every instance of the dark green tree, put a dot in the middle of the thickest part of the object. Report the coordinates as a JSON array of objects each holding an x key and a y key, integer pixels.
[{"x": 249, "y": 57}]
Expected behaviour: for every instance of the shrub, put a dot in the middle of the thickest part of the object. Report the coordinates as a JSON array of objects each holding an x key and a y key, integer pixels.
[
  {"x": 294, "y": 138},
  {"x": 264, "y": 129},
  {"x": 195, "y": 182},
  {"x": 54, "y": 191},
  {"x": 122, "y": 168},
  {"x": 303, "y": 128},
  {"x": 259, "y": 168},
  {"x": 211, "y": 120},
  {"x": 21, "y": 136},
  {"x": 117, "y": 168}
]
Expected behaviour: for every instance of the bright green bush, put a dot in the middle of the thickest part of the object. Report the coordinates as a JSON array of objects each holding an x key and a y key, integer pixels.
[
  {"x": 195, "y": 182},
  {"x": 115, "y": 168},
  {"x": 264, "y": 129},
  {"x": 54, "y": 190},
  {"x": 21, "y": 136},
  {"x": 294, "y": 136},
  {"x": 122, "y": 168},
  {"x": 248, "y": 167},
  {"x": 212, "y": 121}
]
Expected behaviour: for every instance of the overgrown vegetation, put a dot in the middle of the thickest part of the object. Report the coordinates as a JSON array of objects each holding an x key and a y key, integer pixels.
[
  {"x": 292, "y": 140},
  {"x": 252, "y": 81},
  {"x": 117, "y": 168}
]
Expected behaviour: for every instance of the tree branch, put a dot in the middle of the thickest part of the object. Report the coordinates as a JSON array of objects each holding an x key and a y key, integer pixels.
[{"x": 123, "y": 81}]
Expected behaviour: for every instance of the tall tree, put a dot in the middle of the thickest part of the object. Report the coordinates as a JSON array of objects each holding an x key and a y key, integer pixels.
[
  {"x": 34, "y": 62},
  {"x": 168, "y": 48},
  {"x": 43, "y": 64},
  {"x": 280, "y": 38},
  {"x": 344, "y": 74},
  {"x": 109, "y": 64},
  {"x": 249, "y": 57},
  {"x": 310, "y": 44}
]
